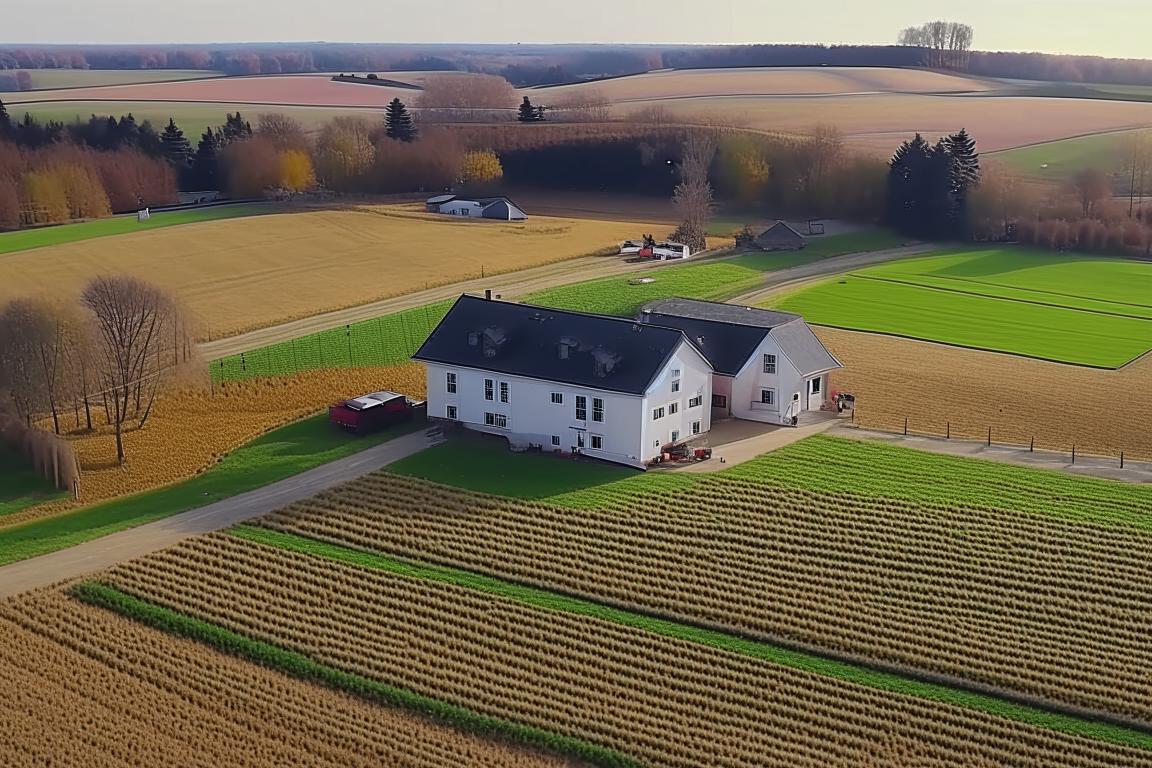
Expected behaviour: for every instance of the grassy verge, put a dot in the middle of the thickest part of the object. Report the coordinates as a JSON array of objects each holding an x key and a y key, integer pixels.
[
  {"x": 20, "y": 486},
  {"x": 387, "y": 340},
  {"x": 826, "y": 464},
  {"x": 23, "y": 240},
  {"x": 279, "y": 454},
  {"x": 303, "y": 667},
  {"x": 785, "y": 657},
  {"x": 711, "y": 281}
]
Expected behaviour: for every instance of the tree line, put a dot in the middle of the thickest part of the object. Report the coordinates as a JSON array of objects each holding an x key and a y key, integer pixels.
[{"x": 101, "y": 358}]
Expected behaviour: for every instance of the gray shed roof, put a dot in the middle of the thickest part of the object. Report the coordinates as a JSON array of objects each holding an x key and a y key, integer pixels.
[
  {"x": 734, "y": 314},
  {"x": 803, "y": 348},
  {"x": 440, "y": 199},
  {"x": 778, "y": 234}
]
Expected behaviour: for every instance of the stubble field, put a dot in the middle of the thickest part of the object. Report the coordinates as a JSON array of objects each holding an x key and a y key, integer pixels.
[
  {"x": 241, "y": 274},
  {"x": 84, "y": 688}
]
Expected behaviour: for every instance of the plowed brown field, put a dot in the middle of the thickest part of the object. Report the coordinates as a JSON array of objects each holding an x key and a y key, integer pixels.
[
  {"x": 84, "y": 688},
  {"x": 1101, "y": 412}
]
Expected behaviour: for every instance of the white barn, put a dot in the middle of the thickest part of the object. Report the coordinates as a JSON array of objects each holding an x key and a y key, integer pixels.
[{"x": 476, "y": 207}]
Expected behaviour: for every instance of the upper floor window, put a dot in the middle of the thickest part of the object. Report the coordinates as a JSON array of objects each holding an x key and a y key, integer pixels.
[
  {"x": 657, "y": 413},
  {"x": 768, "y": 396},
  {"x": 489, "y": 386},
  {"x": 673, "y": 408},
  {"x": 695, "y": 402},
  {"x": 597, "y": 409},
  {"x": 769, "y": 363},
  {"x": 450, "y": 382},
  {"x": 675, "y": 385},
  {"x": 558, "y": 398},
  {"x": 581, "y": 408},
  {"x": 503, "y": 391}
]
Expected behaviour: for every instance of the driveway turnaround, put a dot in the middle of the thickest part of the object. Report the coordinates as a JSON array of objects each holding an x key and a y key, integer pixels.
[{"x": 104, "y": 552}]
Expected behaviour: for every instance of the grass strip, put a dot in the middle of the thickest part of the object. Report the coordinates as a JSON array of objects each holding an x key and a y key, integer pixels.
[
  {"x": 279, "y": 454},
  {"x": 300, "y": 666},
  {"x": 860, "y": 675}
]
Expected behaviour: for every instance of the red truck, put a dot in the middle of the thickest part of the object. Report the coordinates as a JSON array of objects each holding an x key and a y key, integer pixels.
[{"x": 373, "y": 412}]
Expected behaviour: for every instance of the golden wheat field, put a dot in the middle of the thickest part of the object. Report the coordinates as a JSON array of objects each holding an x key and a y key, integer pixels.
[
  {"x": 84, "y": 688},
  {"x": 239, "y": 274},
  {"x": 1101, "y": 412},
  {"x": 190, "y": 430}
]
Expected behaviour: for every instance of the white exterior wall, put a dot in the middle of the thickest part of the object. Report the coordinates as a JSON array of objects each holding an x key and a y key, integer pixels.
[
  {"x": 462, "y": 208},
  {"x": 695, "y": 381},
  {"x": 747, "y": 386},
  {"x": 629, "y": 434}
]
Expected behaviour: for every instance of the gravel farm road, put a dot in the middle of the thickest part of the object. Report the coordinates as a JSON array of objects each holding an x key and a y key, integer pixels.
[{"x": 104, "y": 552}]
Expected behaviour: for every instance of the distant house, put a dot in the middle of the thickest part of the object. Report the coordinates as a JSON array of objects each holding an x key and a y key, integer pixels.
[
  {"x": 476, "y": 207},
  {"x": 619, "y": 389},
  {"x": 780, "y": 237}
]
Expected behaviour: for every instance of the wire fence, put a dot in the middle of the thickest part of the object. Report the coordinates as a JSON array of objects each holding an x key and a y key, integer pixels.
[
  {"x": 387, "y": 340},
  {"x": 1006, "y": 433}
]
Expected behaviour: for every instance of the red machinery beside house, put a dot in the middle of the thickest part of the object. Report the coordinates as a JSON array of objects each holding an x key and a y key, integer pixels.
[{"x": 373, "y": 412}]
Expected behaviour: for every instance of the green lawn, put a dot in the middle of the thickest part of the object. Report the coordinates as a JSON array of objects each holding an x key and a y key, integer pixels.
[
  {"x": 825, "y": 464},
  {"x": 709, "y": 280},
  {"x": 387, "y": 340},
  {"x": 24, "y": 239},
  {"x": 1074, "y": 309},
  {"x": 552, "y": 601},
  {"x": 279, "y": 454},
  {"x": 20, "y": 486}
]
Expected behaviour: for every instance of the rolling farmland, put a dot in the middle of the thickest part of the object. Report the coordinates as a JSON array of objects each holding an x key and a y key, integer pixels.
[
  {"x": 149, "y": 699},
  {"x": 49, "y": 79},
  {"x": 246, "y": 273},
  {"x": 656, "y": 699},
  {"x": 1084, "y": 310},
  {"x": 874, "y": 578}
]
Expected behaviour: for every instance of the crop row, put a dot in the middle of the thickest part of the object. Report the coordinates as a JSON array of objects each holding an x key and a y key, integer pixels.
[
  {"x": 1032, "y": 604},
  {"x": 664, "y": 701},
  {"x": 84, "y": 688}
]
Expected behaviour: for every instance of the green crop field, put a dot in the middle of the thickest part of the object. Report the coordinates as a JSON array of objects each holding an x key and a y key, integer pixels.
[
  {"x": 387, "y": 340},
  {"x": 1074, "y": 309},
  {"x": 714, "y": 281},
  {"x": 24, "y": 239},
  {"x": 20, "y": 486},
  {"x": 1060, "y": 160},
  {"x": 281, "y": 453}
]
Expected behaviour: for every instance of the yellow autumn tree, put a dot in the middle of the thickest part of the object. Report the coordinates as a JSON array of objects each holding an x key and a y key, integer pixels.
[
  {"x": 45, "y": 199},
  {"x": 743, "y": 171},
  {"x": 481, "y": 166},
  {"x": 296, "y": 173}
]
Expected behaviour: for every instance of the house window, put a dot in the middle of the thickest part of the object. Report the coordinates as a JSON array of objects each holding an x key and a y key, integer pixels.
[
  {"x": 657, "y": 413},
  {"x": 597, "y": 409},
  {"x": 719, "y": 401},
  {"x": 655, "y": 443},
  {"x": 450, "y": 382},
  {"x": 597, "y": 442},
  {"x": 769, "y": 363},
  {"x": 673, "y": 408},
  {"x": 696, "y": 401},
  {"x": 488, "y": 386},
  {"x": 450, "y": 412},
  {"x": 675, "y": 435},
  {"x": 581, "y": 408},
  {"x": 675, "y": 373},
  {"x": 498, "y": 420},
  {"x": 503, "y": 391},
  {"x": 675, "y": 385},
  {"x": 695, "y": 427},
  {"x": 558, "y": 398},
  {"x": 556, "y": 440},
  {"x": 768, "y": 396},
  {"x": 816, "y": 386}
]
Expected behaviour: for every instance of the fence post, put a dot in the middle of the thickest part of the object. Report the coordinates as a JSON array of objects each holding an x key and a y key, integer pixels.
[
  {"x": 348, "y": 336},
  {"x": 222, "y": 379},
  {"x": 1032, "y": 444},
  {"x": 905, "y": 425},
  {"x": 1121, "y": 459},
  {"x": 243, "y": 362},
  {"x": 989, "y": 436},
  {"x": 1073, "y": 453},
  {"x": 948, "y": 431}
]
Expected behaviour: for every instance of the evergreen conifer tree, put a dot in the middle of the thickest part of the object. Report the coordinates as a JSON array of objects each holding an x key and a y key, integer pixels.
[
  {"x": 176, "y": 146},
  {"x": 398, "y": 123},
  {"x": 5, "y": 121},
  {"x": 528, "y": 113},
  {"x": 204, "y": 164},
  {"x": 235, "y": 128}
]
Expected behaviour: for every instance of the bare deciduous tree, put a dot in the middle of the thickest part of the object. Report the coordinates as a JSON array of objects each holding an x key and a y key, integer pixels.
[
  {"x": 1092, "y": 187},
  {"x": 462, "y": 96},
  {"x": 19, "y": 363},
  {"x": 949, "y": 43},
  {"x": 583, "y": 105},
  {"x": 693, "y": 195},
  {"x": 137, "y": 339},
  {"x": 283, "y": 131}
]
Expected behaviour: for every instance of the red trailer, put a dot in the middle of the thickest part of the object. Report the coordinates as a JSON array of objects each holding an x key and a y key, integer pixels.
[{"x": 373, "y": 412}]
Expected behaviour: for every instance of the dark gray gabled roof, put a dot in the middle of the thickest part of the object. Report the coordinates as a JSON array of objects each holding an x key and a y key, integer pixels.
[
  {"x": 600, "y": 352},
  {"x": 728, "y": 334},
  {"x": 780, "y": 233}
]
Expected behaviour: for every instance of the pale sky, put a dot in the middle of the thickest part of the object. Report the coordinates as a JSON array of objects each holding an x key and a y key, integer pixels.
[{"x": 1103, "y": 27}]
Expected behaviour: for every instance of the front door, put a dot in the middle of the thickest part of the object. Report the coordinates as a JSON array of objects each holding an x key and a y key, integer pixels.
[
  {"x": 579, "y": 447},
  {"x": 815, "y": 394}
]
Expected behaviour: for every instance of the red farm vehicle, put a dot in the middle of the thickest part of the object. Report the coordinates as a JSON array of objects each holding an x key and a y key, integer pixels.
[{"x": 371, "y": 413}]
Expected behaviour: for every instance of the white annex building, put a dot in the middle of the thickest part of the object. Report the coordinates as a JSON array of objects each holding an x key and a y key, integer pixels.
[{"x": 619, "y": 389}]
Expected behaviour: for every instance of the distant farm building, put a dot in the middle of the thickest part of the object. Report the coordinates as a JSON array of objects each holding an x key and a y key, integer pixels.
[
  {"x": 500, "y": 208},
  {"x": 780, "y": 237}
]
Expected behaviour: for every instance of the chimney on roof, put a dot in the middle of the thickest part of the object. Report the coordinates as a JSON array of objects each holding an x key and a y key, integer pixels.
[{"x": 645, "y": 316}]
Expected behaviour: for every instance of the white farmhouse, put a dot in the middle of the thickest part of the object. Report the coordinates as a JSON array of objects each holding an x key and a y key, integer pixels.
[
  {"x": 768, "y": 366},
  {"x": 614, "y": 388},
  {"x": 476, "y": 207},
  {"x": 607, "y": 387}
]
